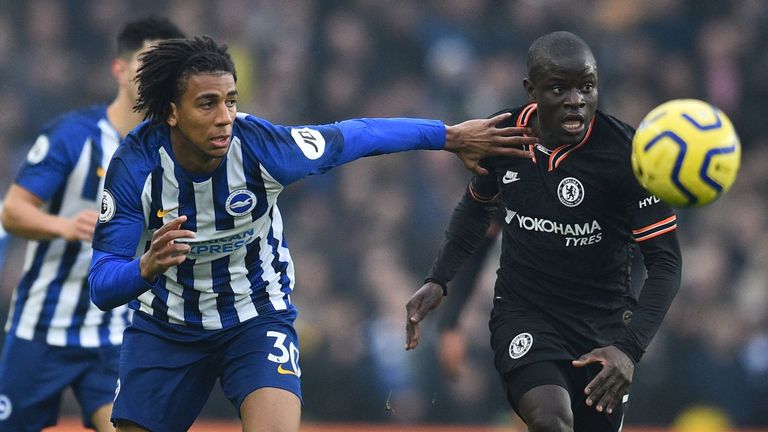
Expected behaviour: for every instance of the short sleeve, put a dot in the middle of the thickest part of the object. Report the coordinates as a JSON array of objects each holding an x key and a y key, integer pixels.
[
  {"x": 49, "y": 163},
  {"x": 121, "y": 215}
]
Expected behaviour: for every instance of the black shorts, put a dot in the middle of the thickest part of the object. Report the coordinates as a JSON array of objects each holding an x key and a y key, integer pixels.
[
  {"x": 529, "y": 351},
  {"x": 520, "y": 335}
]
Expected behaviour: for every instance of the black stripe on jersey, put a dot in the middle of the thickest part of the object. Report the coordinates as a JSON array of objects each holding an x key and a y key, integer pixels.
[
  {"x": 56, "y": 200},
  {"x": 254, "y": 181},
  {"x": 280, "y": 267},
  {"x": 222, "y": 284},
  {"x": 78, "y": 318},
  {"x": 185, "y": 276},
  {"x": 94, "y": 174},
  {"x": 106, "y": 322},
  {"x": 655, "y": 229},
  {"x": 157, "y": 200},
  {"x": 255, "y": 271},
  {"x": 68, "y": 258},
  {"x": 220, "y": 185},
  {"x": 187, "y": 203},
  {"x": 25, "y": 285},
  {"x": 160, "y": 301}
]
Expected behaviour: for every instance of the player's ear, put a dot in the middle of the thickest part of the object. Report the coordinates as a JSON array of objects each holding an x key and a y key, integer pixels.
[
  {"x": 118, "y": 70},
  {"x": 173, "y": 117},
  {"x": 530, "y": 89}
]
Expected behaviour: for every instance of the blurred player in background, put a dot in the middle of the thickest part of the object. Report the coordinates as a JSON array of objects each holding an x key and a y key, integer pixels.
[
  {"x": 565, "y": 329},
  {"x": 56, "y": 338},
  {"x": 3, "y": 240},
  {"x": 190, "y": 235},
  {"x": 452, "y": 348}
]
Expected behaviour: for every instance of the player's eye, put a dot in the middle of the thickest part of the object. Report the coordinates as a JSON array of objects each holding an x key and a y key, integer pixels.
[
  {"x": 231, "y": 102},
  {"x": 557, "y": 90},
  {"x": 588, "y": 87}
]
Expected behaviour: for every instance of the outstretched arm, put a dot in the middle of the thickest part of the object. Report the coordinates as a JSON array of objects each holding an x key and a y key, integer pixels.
[{"x": 474, "y": 140}]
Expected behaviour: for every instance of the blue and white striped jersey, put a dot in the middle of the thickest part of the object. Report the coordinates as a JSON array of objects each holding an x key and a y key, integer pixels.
[
  {"x": 239, "y": 265},
  {"x": 65, "y": 168},
  {"x": 3, "y": 241}
]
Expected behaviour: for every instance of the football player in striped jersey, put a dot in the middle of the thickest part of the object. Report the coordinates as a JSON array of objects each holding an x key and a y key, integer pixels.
[
  {"x": 191, "y": 237},
  {"x": 566, "y": 327},
  {"x": 55, "y": 337}
]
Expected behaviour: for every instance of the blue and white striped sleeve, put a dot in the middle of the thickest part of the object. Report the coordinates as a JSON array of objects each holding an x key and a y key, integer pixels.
[{"x": 292, "y": 153}]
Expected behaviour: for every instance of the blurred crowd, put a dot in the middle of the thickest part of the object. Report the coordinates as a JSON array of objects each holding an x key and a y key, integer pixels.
[{"x": 363, "y": 236}]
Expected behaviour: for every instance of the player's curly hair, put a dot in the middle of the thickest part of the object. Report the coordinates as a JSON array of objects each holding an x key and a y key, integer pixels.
[{"x": 166, "y": 67}]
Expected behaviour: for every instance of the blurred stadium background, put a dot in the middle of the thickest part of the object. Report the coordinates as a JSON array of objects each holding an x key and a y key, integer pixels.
[{"x": 363, "y": 236}]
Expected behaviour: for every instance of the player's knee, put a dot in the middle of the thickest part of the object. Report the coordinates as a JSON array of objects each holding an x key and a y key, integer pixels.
[
  {"x": 548, "y": 419},
  {"x": 552, "y": 423}
]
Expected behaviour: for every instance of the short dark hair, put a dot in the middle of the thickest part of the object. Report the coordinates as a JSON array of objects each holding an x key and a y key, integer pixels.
[
  {"x": 134, "y": 33},
  {"x": 166, "y": 66},
  {"x": 555, "y": 44}
]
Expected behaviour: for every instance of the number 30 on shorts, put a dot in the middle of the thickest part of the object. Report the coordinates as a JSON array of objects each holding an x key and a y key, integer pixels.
[{"x": 286, "y": 354}]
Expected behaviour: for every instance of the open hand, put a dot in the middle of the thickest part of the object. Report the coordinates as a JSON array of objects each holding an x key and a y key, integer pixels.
[
  {"x": 609, "y": 386},
  {"x": 427, "y": 298},
  {"x": 164, "y": 251},
  {"x": 81, "y": 226},
  {"x": 474, "y": 140}
]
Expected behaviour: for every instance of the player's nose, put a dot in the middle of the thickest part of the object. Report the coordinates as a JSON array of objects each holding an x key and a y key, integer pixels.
[
  {"x": 574, "y": 98},
  {"x": 224, "y": 115}
]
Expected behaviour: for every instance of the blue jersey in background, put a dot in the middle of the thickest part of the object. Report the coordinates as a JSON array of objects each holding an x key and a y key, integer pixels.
[{"x": 65, "y": 168}]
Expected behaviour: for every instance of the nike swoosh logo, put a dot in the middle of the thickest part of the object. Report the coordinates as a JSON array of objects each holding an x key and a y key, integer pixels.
[
  {"x": 161, "y": 213},
  {"x": 282, "y": 371},
  {"x": 510, "y": 177}
]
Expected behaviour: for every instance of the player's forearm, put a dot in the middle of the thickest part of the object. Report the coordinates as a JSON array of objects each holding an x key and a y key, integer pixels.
[
  {"x": 115, "y": 280},
  {"x": 463, "y": 284},
  {"x": 369, "y": 137},
  {"x": 664, "y": 267},
  {"x": 27, "y": 221}
]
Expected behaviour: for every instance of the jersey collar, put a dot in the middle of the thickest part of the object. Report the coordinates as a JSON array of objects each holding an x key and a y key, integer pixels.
[{"x": 559, "y": 154}]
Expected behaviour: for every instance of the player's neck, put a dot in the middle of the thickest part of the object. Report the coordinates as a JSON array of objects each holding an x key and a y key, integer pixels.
[
  {"x": 121, "y": 115},
  {"x": 536, "y": 128}
]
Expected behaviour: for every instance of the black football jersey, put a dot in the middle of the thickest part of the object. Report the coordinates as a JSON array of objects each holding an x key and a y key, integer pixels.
[{"x": 572, "y": 217}]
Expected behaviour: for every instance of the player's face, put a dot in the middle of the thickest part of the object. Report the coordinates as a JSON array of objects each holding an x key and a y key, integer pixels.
[
  {"x": 565, "y": 90},
  {"x": 201, "y": 121}
]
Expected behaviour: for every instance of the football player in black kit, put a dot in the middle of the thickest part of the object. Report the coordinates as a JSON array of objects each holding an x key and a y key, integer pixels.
[{"x": 566, "y": 329}]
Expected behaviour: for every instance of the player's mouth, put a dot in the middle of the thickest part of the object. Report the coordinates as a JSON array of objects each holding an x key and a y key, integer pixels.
[
  {"x": 573, "y": 125},
  {"x": 220, "y": 141}
]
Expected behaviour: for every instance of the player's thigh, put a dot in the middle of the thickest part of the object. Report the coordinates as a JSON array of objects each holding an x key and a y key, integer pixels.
[
  {"x": 264, "y": 353},
  {"x": 33, "y": 376},
  {"x": 271, "y": 409},
  {"x": 587, "y": 418},
  {"x": 163, "y": 384},
  {"x": 540, "y": 394},
  {"x": 95, "y": 388}
]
